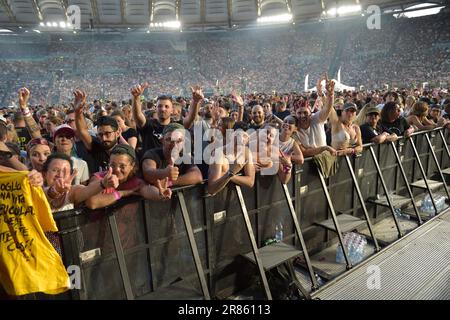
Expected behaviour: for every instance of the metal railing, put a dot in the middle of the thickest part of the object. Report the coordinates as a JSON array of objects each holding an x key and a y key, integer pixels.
[{"x": 193, "y": 243}]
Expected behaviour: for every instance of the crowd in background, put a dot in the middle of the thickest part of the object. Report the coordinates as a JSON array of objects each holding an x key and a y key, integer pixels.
[{"x": 404, "y": 52}]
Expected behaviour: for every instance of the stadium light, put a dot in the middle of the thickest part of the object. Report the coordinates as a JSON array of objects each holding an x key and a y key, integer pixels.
[
  {"x": 166, "y": 25},
  {"x": 62, "y": 24},
  {"x": 420, "y": 13},
  {"x": 42, "y": 24},
  {"x": 275, "y": 19},
  {"x": 343, "y": 10},
  {"x": 49, "y": 24}
]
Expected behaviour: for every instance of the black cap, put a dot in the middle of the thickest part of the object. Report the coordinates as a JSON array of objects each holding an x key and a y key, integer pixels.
[{"x": 350, "y": 105}]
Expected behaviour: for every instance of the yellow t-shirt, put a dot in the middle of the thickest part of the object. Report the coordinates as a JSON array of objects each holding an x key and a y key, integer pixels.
[{"x": 28, "y": 261}]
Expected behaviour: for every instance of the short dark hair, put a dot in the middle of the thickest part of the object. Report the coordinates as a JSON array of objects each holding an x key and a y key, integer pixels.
[
  {"x": 164, "y": 97},
  {"x": 107, "y": 121},
  {"x": 54, "y": 156}
]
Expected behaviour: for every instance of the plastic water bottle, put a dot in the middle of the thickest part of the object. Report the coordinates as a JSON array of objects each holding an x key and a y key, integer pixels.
[
  {"x": 440, "y": 203},
  {"x": 320, "y": 281},
  {"x": 279, "y": 232},
  {"x": 427, "y": 206}
]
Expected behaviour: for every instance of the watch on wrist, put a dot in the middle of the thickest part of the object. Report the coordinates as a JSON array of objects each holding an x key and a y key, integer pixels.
[{"x": 230, "y": 174}]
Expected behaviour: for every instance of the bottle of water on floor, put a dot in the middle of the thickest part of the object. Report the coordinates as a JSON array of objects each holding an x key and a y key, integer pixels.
[{"x": 279, "y": 232}]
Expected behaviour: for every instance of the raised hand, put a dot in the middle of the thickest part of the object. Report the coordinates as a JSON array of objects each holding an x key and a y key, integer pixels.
[
  {"x": 64, "y": 183},
  {"x": 285, "y": 159},
  {"x": 138, "y": 90},
  {"x": 80, "y": 101},
  {"x": 197, "y": 93},
  {"x": 172, "y": 172},
  {"x": 237, "y": 99},
  {"x": 24, "y": 96},
  {"x": 164, "y": 190},
  {"x": 110, "y": 180},
  {"x": 319, "y": 86},
  {"x": 329, "y": 85}
]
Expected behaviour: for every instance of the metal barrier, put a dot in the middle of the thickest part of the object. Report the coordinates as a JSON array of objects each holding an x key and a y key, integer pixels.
[{"x": 191, "y": 247}]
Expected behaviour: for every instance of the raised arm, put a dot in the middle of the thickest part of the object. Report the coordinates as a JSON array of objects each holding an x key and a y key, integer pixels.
[
  {"x": 80, "y": 121},
  {"x": 237, "y": 99},
  {"x": 197, "y": 98},
  {"x": 32, "y": 126},
  {"x": 328, "y": 110},
  {"x": 136, "y": 105}
]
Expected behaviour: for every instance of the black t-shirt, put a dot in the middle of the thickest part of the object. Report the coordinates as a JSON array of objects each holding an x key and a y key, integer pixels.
[
  {"x": 151, "y": 134},
  {"x": 283, "y": 114},
  {"x": 129, "y": 134},
  {"x": 368, "y": 133},
  {"x": 24, "y": 137},
  {"x": 157, "y": 155},
  {"x": 100, "y": 156},
  {"x": 399, "y": 126},
  {"x": 82, "y": 153}
]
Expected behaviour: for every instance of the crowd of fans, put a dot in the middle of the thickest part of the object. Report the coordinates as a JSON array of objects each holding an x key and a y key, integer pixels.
[
  {"x": 403, "y": 52},
  {"x": 93, "y": 153}
]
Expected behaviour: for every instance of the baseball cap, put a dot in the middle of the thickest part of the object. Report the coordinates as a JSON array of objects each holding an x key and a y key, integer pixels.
[
  {"x": 371, "y": 110},
  {"x": 339, "y": 101},
  {"x": 350, "y": 105},
  {"x": 64, "y": 129}
]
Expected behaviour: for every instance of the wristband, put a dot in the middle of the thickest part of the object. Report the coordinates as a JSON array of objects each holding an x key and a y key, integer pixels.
[
  {"x": 117, "y": 195},
  {"x": 26, "y": 112},
  {"x": 287, "y": 169}
]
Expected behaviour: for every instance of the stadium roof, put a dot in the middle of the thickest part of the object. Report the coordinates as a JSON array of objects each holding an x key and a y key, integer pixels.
[{"x": 192, "y": 14}]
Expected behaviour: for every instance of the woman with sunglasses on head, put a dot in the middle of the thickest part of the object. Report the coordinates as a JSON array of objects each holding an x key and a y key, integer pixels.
[
  {"x": 288, "y": 146},
  {"x": 345, "y": 135},
  {"x": 229, "y": 160}
]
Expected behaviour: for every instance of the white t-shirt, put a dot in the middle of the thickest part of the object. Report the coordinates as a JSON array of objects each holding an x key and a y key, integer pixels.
[
  {"x": 314, "y": 136},
  {"x": 82, "y": 169}
]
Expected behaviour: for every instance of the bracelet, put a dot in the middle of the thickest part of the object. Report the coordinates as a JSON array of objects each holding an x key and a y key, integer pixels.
[
  {"x": 26, "y": 112},
  {"x": 230, "y": 174},
  {"x": 287, "y": 169},
  {"x": 353, "y": 151},
  {"x": 117, "y": 195}
]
